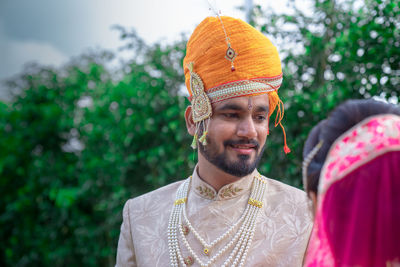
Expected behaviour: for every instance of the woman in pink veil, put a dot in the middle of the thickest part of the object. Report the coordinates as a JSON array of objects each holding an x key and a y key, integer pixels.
[{"x": 357, "y": 174}]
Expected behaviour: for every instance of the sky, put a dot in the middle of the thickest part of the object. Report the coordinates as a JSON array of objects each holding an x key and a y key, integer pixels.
[{"x": 52, "y": 32}]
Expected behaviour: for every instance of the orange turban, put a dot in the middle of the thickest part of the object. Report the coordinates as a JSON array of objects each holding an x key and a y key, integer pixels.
[{"x": 255, "y": 69}]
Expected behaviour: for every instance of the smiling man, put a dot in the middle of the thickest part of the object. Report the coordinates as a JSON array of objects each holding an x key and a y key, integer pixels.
[
  {"x": 226, "y": 213},
  {"x": 235, "y": 141}
]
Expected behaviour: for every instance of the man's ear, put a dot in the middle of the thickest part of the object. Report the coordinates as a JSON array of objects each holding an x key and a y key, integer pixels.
[{"x": 190, "y": 125}]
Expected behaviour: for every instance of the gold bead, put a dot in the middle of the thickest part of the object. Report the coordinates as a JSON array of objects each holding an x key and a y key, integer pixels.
[
  {"x": 255, "y": 203},
  {"x": 180, "y": 201}
]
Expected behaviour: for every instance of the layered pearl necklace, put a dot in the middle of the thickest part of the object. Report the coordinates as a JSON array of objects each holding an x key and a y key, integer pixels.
[{"x": 240, "y": 242}]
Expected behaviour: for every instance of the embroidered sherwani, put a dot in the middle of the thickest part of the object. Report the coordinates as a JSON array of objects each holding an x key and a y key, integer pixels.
[{"x": 281, "y": 235}]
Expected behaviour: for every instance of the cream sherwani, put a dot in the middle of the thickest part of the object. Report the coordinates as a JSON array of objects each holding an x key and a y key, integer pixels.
[{"x": 282, "y": 232}]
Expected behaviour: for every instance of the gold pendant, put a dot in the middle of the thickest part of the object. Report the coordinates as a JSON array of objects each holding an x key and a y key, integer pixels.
[{"x": 230, "y": 55}]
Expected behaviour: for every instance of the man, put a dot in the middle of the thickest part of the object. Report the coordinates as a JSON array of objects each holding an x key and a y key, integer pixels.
[{"x": 226, "y": 213}]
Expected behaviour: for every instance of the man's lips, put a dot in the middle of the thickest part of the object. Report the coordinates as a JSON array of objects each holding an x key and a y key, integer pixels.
[
  {"x": 241, "y": 149},
  {"x": 243, "y": 146}
]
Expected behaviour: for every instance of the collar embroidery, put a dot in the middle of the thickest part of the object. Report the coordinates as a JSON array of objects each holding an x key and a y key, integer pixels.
[
  {"x": 229, "y": 191},
  {"x": 232, "y": 190},
  {"x": 206, "y": 192}
]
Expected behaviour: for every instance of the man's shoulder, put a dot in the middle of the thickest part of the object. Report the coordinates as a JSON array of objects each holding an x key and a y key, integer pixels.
[
  {"x": 161, "y": 196},
  {"x": 280, "y": 188}
]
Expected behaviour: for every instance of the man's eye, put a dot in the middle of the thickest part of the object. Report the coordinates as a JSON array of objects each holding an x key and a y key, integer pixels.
[
  {"x": 231, "y": 115},
  {"x": 261, "y": 117}
]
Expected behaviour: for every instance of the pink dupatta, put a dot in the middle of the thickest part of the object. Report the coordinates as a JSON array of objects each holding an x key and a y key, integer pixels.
[{"x": 357, "y": 222}]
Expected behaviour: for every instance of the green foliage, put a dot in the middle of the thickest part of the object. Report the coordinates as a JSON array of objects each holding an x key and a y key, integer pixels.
[
  {"x": 340, "y": 51},
  {"x": 77, "y": 141}
]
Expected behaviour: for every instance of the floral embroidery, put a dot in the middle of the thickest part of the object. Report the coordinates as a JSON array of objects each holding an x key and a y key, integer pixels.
[
  {"x": 206, "y": 192},
  {"x": 229, "y": 191},
  {"x": 369, "y": 138}
]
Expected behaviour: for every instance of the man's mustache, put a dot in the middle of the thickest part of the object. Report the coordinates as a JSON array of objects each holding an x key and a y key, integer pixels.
[{"x": 242, "y": 142}]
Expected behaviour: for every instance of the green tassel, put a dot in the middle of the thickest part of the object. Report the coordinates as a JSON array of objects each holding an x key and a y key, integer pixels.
[
  {"x": 194, "y": 142},
  {"x": 204, "y": 142},
  {"x": 203, "y": 139}
]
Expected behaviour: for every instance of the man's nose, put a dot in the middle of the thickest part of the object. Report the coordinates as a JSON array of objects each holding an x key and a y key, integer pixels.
[{"x": 246, "y": 128}]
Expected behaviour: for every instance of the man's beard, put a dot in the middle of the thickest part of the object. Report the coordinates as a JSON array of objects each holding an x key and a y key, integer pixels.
[{"x": 239, "y": 168}]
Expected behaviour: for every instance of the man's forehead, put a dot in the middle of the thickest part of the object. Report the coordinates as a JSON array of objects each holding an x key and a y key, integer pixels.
[{"x": 243, "y": 102}]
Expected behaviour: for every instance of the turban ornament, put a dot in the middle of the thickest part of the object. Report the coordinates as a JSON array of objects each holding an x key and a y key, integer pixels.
[{"x": 201, "y": 106}]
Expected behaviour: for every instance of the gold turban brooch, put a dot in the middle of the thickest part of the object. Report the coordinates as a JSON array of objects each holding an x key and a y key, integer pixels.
[{"x": 227, "y": 58}]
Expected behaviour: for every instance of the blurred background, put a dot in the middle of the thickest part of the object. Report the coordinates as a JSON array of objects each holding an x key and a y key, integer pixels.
[{"x": 92, "y": 105}]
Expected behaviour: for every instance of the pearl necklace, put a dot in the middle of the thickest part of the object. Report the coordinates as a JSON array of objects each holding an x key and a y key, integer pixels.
[{"x": 240, "y": 242}]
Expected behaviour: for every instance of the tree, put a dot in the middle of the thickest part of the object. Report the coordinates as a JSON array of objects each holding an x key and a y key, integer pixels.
[
  {"x": 77, "y": 142},
  {"x": 339, "y": 50}
]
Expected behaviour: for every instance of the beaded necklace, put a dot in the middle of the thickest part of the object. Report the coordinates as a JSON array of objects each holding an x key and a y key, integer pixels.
[{"x": 239, "y": 243}]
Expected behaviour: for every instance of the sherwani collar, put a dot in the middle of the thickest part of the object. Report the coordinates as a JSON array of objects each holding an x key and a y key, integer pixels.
[{"x": 228, "y": 191}]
